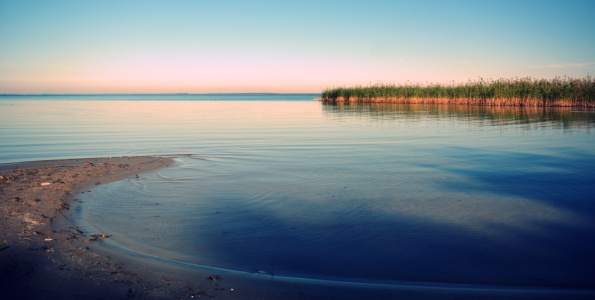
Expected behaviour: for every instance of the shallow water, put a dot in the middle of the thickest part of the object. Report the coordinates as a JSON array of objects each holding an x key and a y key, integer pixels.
[{"x": 369, "y": 193}]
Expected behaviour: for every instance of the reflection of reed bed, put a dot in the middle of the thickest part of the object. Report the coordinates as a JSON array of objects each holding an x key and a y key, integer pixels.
[
  {"x": 557, "y": 92},
  {"x": 501, "y": 114}
]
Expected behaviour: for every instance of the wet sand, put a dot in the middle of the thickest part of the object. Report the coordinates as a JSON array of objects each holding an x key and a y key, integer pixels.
[{"x": 47, "y": 257}]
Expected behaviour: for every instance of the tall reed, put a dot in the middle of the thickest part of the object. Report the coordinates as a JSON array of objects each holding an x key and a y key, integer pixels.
[{"x": 501, "y": 92}]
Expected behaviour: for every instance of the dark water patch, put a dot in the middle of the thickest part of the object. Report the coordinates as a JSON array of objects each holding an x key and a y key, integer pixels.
[{"x": 563, "y": 178}]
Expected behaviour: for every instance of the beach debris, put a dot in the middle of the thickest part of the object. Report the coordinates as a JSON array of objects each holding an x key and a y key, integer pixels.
[
  {"x": 100, "y": 236},
  {"x": 261, "y": 272},
  {"x": 45, "y": 183},
  {"x": 3, "y": 245},
  {"x": 214, "y": 278},
  {"x": 89, "y": 163},
  {"x": 48, "y": 240}
]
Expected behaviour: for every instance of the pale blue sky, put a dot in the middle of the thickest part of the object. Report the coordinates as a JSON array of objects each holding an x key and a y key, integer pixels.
[{"x": 274, "y": 46}]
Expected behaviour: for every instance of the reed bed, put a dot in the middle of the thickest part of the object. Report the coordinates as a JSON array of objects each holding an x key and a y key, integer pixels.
[{"x": 557, "y": 92}]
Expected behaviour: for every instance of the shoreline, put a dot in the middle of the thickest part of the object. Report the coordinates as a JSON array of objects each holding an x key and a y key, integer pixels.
[
  {"x": 459, "y": 101},
  {"x": 49, "y": 258},
  {"x": 45, "y": 258}
]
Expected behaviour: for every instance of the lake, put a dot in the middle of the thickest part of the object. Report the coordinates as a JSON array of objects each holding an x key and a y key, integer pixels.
[{"x": 358, "y": 193}]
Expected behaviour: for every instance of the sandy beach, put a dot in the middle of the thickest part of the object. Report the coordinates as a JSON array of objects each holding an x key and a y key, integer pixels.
[{"x": 46, "y": 257}]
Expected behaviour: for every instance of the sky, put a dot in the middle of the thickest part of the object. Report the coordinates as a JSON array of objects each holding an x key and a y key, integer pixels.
[{"x": 78, "y": 47}]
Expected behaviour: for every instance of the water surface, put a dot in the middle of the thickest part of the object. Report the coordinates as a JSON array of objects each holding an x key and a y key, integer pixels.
[{"x": 367, "y": 193}]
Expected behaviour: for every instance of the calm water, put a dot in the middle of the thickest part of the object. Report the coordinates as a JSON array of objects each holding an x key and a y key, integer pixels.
[{"x": 359, "y": 192}]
